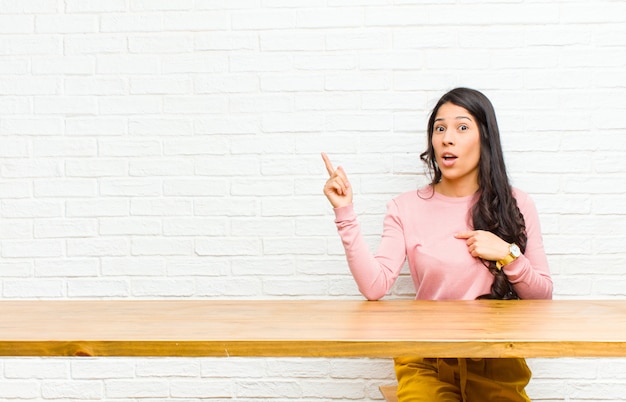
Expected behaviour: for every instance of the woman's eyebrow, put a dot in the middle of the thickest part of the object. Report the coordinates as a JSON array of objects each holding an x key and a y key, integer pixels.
[{"x": 457, "y": 118}]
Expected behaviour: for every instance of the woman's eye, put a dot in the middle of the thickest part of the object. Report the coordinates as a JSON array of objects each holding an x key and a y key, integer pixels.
[
  {"x": 439, "y": 129},
  {"x": 463, "y": 128}
]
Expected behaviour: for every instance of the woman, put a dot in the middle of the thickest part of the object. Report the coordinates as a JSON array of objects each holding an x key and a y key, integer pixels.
[{"x": 467, "y": 235}]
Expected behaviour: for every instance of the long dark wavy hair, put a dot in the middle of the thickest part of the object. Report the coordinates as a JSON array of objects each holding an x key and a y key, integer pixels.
[{"x": 496, "y": 209}]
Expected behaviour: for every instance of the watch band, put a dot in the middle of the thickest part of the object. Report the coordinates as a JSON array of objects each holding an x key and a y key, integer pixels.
[{"x": 506, "y": 260}]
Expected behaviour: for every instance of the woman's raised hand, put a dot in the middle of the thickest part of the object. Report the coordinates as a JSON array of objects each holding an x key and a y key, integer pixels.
[{"x": 337, "y": 188}]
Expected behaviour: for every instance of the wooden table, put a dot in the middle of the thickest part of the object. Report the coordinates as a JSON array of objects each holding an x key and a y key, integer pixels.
[{"x": 526, "y": 328}]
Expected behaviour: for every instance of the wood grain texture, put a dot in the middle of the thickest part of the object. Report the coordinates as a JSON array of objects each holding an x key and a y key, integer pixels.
[{"x": 314, "y": 328}]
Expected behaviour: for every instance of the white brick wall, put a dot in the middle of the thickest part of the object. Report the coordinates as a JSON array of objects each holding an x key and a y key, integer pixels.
[{"x": 170, "y": 149}]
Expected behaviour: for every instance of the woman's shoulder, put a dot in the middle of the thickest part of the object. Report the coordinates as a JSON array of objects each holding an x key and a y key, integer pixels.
[
  {"x": 524, "y": 200},
  {"x": 520, "y": 195}
]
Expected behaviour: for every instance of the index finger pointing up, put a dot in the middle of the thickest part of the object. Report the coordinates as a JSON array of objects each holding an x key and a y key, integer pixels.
[{"x": 329, "y": 166}]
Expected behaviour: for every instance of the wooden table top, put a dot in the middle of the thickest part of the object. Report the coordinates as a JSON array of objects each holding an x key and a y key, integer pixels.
[{"x": 314, "y": 328}]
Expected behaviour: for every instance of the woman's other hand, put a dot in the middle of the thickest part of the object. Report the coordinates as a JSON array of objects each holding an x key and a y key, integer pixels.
[
  {"x": 485, "y": 245},
  {"x": 337, "y": 188}
]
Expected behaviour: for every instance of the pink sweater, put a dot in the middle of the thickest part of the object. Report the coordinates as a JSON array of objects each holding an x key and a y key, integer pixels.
[{"x": 421, "y": 229}]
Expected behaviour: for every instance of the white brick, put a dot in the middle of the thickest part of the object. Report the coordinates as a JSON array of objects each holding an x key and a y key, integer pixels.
[
  {"x": 32, "y": 248},
  {"x": 144, "y": 85},
  {"x": 342, "y": 17},
  {"x": 76, "y": 389},
  {"x": 226, "y": 83},
  {"x": 97, "y": 288},
  {"x": 240, "y": 125},
  {"x": 16, "y": 269},
  {"x": 95, "y": 44},
  {"x": 136, "y": 389},
  {"x": 16, "y": 24},
  {"x": 127, "y": 64},
  {"x": 155, "y": 288},
  {"x": 260, "y": 20},
  {"x": 216, "y": 287},
  {"x": 161, "y": 207},
  {"x": 40, "y": 6},
  {"x": 94, "y": 6},
  {"x": 131, "y": 23},
  {"x": 54, "y": 228},
  {"x": 97, "y": 247},
  {"x": 169, "y": 368},
  {"x": 161, "y": 246},
  {"x": 197, "y": 104},
  {"x": 15, "y": 45},
  {"x": 31, "y": 209},
  {"x": 304, "y": 368},
  {"x": 194, "y": 63},
  {"x": 160, "y": 126},
  {"x": 234, "y": 367},
  {"x": 197, "y": 21},
  {"x": 324, "y": 62},
  {"x": 292, "y": 83},
  {"x": 264, "y": 266},
  {"x": 69, "y": 268},
  {"x": 128, "y": 147},
  {"x": 161, "y": 167},
  {"x": 31, "y": 86},
  {"x": 195, "y": 227},
  {"x": 246, "y": 166},
  {"x": 201, "y": 389},
  {"x": 66, "y": 24},
  {"x": 333, "y": 389},
  {"x": 133, "y": 266},
  {"x": 259, "y": 63},
  {"x": 226, "y": 41},
  {"x": 97, "y": 207},
  {"x": 131, "y": 187},
  {"x": 66, "y": 105},
  {"x": 14, "y": 105},
  {"x": 302, "y": 246},
  {"x": 195, "y": 146},
  {"x": 197, "y": 266},
  {"x": 195, "y": 187},
  {"x": 31, "y": 369},
  {"x": 129, "y": 105},
  {"x": 129, "y": 226},
  {"x": 234, "y": 206},
  {"x": 19, "y": 389},
  {"x": 161, "y": 43},
  {"x": 29, "y": 288},
  {"x": 292, "y": 122},
  {"x": 266, "y": 102},
  {"x": 154, "y": 5},
  {"x": 93, "y": 369},
  {"x": 96, "y": 168},
  {"x": 63, "y": 65},
  {"x": 268, "y": 389},
  {"x": 262, "y": 227},
  {"x": 295, "y": 287},
  {"x": 227, "y": 246},
  {"x": 95, "y": 86}
]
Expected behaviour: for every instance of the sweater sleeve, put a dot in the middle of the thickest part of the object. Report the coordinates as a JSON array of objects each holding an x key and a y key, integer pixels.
[
  {"x": 530, "y": 273},
  {"x": 374, "y": 274}
]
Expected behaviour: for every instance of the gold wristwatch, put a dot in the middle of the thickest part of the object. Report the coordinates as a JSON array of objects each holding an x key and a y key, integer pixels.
[{"x": 514, "y": 252}]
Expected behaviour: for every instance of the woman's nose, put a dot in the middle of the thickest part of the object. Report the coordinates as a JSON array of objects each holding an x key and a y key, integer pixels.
[{"x": 447, "y": 138}]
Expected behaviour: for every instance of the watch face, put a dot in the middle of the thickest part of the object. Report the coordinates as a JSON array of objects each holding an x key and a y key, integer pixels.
[{"x": 515, "y": 251}]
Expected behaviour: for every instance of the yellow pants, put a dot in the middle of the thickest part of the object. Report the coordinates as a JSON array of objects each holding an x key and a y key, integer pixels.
[{"x": 455, "y": 380}]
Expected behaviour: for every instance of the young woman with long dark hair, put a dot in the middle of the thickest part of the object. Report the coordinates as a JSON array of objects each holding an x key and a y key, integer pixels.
[{"x": 467, "y": 235}]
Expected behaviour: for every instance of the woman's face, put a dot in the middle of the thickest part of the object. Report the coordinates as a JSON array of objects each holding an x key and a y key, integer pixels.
[{"x": 456, "y": 141}]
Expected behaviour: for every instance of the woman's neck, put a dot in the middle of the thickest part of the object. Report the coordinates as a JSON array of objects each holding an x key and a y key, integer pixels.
[{"x": 453, "y": 189}]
